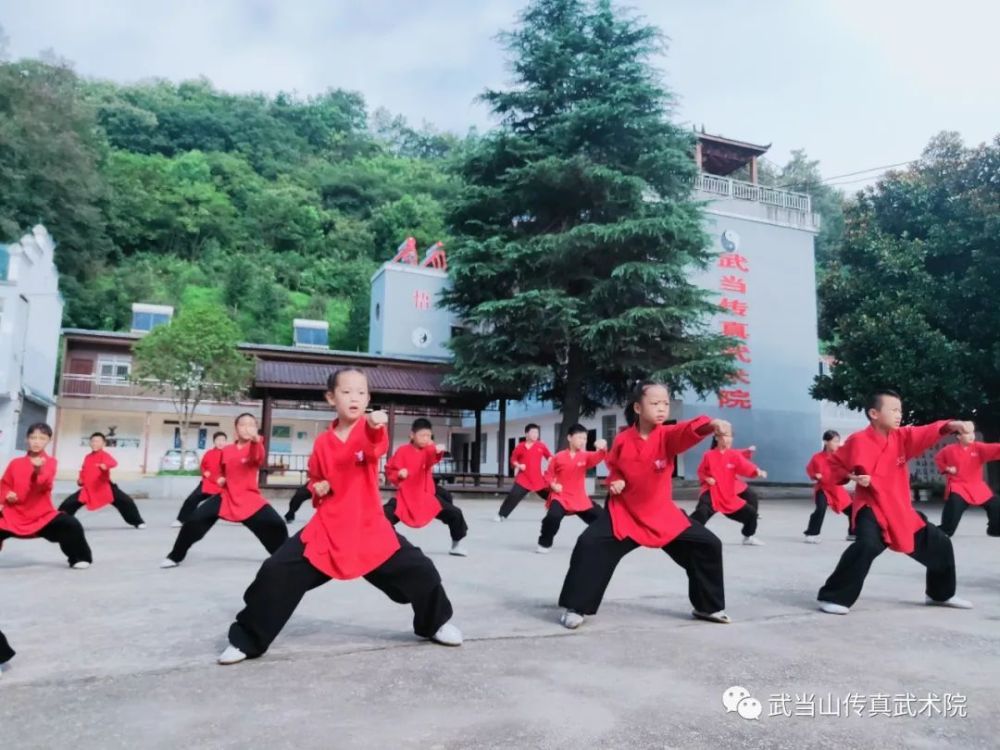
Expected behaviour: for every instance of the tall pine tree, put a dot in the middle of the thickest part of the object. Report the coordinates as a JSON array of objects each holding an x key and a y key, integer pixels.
[{"x": 577, "y": 231}]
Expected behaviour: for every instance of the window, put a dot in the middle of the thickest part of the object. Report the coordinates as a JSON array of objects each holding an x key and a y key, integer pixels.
[
  {"x": 281, "y": 439},
  {"x": 113, "y": 370},
  {"x": 483, "y": 451},
  {"x": 609, "y": 423},
  {"x": 4, "y": 263},
  {"x": 307, "y": 336},
  {"x": 147, "y": 321}
]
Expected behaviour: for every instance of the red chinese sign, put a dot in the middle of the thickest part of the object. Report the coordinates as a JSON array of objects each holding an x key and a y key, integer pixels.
[
  {"x": 732, "y": 328},
  {"x": 734, "y": 399},
  {"x": 733, "y": 283},
  {"x": 734, "y": 260},
  {"x": 422, "y": 300}
]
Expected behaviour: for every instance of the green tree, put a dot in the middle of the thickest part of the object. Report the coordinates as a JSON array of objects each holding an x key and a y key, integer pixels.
[
  {"x": 801, "y": 174},
  {"x": 906, "y": 301},
  {"x": 192, "y": 360},
  {"x": 418, "y": 216},
  {"x": 178, "y": 192},
  {"x": 577, "y": 231},
  {"x": 50, "y": 157}
]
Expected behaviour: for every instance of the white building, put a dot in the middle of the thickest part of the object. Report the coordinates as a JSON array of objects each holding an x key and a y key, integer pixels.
[
  {"x": 97, "y": 394},
  {"x": 31, "y": 309}
]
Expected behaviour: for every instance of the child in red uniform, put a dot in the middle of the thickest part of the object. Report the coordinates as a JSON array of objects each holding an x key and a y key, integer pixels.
[
  {"x": 6, "y": 652},
  {"x": 826, "y": 492},
  {"x": 718, "y": 474},
  {"x": 641, "y": 512},
  {"x": 742, "y": 489},
  {"x": 299, "y": 498},
  {"x": 97, "y": 489},
  {"x": 239, "y": 501},
  {"x": 567, "y": 479},
  {"x": 211, "y": 470},
  {"x": 962, "y": 465},
  {"x": 419, "y": 500},
  {"x": 526, "y": 460},
  {"x": 26, "y": 497},
  {"x": 876, "y": 460},
  {"x": 348, "y": 536}
]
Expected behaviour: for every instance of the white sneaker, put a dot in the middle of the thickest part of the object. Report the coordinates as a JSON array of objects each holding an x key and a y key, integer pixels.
[
  {"x": 168, "y": 563},
  {"x": 141, "y": 526},
  {"x": 499, "y": 518},
  {"x": 720, "y": 616},
  {"x": 82, "y": 565},
  {"x": 176, "y": 525},
  {"x": 448, "y": 635},
  {"x": 458, "y": 550},
  {"x": 752, "y": 541},
  {"x": 540, "y": 550},
  {"x": 833, "y": 609},
  {"x": 571, "y": 619},
  {"x": 954, "y": 602},
  {"x": 812, "y": 540},
  {"x": 231, "y": 655}
]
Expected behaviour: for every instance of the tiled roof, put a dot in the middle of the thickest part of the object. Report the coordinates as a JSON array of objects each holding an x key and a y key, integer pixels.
[{"x": 383, "y": 380}]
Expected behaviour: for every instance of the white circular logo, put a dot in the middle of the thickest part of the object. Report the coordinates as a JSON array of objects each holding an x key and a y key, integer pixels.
[
  {"x": 730, "y": 240},
  {"x": 421, "y": 338}
]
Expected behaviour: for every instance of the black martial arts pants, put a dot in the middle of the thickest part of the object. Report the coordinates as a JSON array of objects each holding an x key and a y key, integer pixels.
[{"x": 265, "y": 524}]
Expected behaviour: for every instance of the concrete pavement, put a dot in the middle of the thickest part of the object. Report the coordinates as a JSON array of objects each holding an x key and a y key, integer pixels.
[{"x": 122, "y": 655}]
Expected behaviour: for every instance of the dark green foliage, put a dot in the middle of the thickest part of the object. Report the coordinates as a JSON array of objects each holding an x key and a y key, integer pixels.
[
  {"x": 276, "y": 207},
  {"x": 577, "y": 231},
  {"x": 908, "y": 299}
]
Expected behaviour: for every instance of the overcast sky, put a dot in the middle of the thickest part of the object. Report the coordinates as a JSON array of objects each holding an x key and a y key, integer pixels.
[{"x": 857, "y": 83}]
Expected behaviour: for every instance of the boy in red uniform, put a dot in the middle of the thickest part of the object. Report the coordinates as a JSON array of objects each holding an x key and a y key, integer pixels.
[
  {"x": 418, "y": 500},
  {"x": 211, "y": 470},
  {"x": 26, "y": 498},
  {"x": 567, "y": 479},
  {"x": 97, "y": 489},
  {"x": 347, "y": 537},
  {"x": 239, "y": 501},
  {"x": 526, "y": 460},
  {"x": 962, "y": 465},
  {"x": 876, "y": 460},
  {"x": 641, "y": 512},
  {"x": 826, "y": 492},
  {"x": 718, "y": 473}
]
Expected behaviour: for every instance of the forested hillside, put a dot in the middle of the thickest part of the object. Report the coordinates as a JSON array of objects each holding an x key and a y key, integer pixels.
[{"x": 278, "y": 207}]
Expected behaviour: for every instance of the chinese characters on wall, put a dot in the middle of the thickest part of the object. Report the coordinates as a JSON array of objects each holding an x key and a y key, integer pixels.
[
  {"x": 734, "y": 270},
  {"x": 422, "y": 300}
]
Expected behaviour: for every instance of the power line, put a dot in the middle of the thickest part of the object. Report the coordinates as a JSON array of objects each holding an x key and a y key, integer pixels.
[
  {"x": 872, "y": 169},
  {"x": 827, "y": 180},
  {"x": 851, "y": 182}
]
